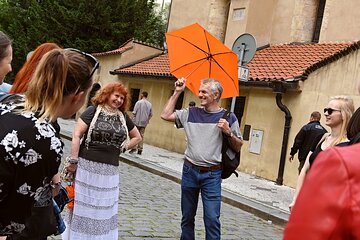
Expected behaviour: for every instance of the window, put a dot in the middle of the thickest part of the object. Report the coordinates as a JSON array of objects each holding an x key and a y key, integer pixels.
[
  {"x": 319, "y": 18},
  {"x": 239, "y": 108},
  {"x": 238, "y": 14},
  {"x": 134, "y": 93}
]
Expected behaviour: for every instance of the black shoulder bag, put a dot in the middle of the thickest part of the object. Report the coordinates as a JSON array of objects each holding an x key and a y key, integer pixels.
[{"x": 230, "y": 159}]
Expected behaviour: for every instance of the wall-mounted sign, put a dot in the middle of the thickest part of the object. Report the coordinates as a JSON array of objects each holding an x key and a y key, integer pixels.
[{"x": 256, "y": 141}]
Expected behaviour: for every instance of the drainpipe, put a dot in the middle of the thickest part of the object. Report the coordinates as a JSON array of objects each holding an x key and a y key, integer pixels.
[{"x": 279, "y": 90}]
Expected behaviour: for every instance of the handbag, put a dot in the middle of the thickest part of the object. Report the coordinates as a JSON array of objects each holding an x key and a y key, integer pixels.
[
  {"x": 230, "y": 159},
  {"x": 62, "y": 198}
]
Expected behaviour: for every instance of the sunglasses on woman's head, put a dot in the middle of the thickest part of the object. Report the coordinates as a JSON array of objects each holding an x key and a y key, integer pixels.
[
  {"x": 90, "y": 57},
  {"x": 331, "y": 110}
]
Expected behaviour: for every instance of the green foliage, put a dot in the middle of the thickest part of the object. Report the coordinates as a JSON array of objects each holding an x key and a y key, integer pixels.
[{"x": 90, "y": 25}]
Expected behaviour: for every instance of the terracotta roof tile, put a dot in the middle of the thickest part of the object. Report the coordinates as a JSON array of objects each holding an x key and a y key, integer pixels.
[
  {"x": 287, "y": 61},
  {"x": 278, "y": 62},
  {"x": 124, "y": 48},
  {"x": 113, "y": 52},
  {"x": 155, "y": 66}
]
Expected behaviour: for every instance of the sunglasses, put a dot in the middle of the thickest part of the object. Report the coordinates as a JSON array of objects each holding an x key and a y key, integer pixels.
[
  {"x": 331, "y": 110},
  {"x": 89, "y": 57}
]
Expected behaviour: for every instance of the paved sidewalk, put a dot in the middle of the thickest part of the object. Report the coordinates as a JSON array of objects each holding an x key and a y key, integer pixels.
[{"x": 256, "y": 195}]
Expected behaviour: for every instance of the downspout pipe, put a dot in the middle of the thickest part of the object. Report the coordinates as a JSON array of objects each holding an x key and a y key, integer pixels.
[{"x": 279, "y": 180}]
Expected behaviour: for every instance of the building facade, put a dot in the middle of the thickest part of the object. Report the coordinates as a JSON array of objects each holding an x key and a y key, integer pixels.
[{"x": 305, "y": 55}]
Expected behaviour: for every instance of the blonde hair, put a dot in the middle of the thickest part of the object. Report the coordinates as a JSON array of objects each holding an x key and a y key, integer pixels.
[
  {"x": 347, "y": 109},
  {"x": 59, "y": 73}
]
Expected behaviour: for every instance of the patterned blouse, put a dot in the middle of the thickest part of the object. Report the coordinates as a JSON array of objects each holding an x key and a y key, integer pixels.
[
  {"x": 106, "y": 137},
  {"x": 30, "y": 155}
]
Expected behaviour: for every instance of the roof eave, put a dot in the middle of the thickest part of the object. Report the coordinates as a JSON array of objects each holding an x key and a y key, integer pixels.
[
  {"x": 293, "y": 84},
  {"x": 162, "y": 76}
]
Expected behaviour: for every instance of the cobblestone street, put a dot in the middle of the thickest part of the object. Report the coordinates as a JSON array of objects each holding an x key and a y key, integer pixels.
[{"x": 149, "y": 208}]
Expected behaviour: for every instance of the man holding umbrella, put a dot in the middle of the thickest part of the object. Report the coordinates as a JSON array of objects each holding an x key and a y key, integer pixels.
[{"x": 202, "y": 167}]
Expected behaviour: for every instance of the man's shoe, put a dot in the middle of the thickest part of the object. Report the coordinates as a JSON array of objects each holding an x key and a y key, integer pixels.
[
  {"x": 139, "y": 152},
  {"x": 132, "y": 151}
]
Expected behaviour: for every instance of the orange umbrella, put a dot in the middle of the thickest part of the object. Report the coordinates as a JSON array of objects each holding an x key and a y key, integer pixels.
[{"x": 196, "y": 55}]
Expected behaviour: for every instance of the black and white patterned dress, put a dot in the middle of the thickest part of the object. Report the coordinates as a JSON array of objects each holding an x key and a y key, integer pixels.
[
  {"x": 95, "y": 214},
  {"x": 30, "y": 155}
]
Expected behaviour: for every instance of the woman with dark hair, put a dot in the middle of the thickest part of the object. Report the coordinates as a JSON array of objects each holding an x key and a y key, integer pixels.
[
  {"x": 5, "y": 56},
  {"x": 107, "y": 131},
  {"x": 30, "y": 146},
  {"x": 95, "y": 87},
  {"x": 25, "y": 74},
  {"x": 353, "y": 129}
]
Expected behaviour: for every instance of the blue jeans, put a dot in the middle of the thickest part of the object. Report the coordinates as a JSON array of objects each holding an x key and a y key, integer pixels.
[{"x": 209, "y": 184}]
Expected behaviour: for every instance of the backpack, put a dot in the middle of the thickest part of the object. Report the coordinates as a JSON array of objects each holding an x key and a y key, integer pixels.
[{"x": 230, "y": 159}]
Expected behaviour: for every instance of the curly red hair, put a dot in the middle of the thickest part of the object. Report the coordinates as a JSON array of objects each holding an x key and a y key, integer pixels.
[{"x": 102, "y": 96}]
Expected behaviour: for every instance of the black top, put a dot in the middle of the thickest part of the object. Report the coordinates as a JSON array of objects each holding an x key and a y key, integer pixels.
[
  {"x": 106, "y": 137},
  {"x": 305, "y": 139},
  {"x": 30, "y": 155},
  {"x": 316, "y": 148}
]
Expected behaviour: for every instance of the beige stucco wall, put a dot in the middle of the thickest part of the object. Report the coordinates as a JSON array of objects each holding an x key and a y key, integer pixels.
[
  {"x": 262, "y": 113},
  {"x": 269, "y": 21},
  {"x": 260, "y": 25},
  {"x": 341, "y": 21},
  {"x": 211, "y": 14},
  {"x": 236, "y": 27},
  {"x": 273, "y": 21},
  {"x": 111, "y": 62},
  {"x": 107, "y": 63},
  {"x": 282, "y": 22},
  {"x": 186, "y": 12}
]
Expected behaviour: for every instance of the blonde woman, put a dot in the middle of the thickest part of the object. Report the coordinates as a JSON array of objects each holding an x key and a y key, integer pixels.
[
  {"x": 337, "y": 115},
  {"x": 30, "y": 145}
]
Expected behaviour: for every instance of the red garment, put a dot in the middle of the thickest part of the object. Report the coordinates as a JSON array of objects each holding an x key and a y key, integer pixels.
[
  {"x": 71, "y": 193},
  {"x": 328, "y": 206}
]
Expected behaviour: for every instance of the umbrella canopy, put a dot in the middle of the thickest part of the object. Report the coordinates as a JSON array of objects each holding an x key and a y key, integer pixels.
[{"x": 196, "y": 55}]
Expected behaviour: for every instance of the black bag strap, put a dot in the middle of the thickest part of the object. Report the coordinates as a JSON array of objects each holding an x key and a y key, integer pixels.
[
  {"x": 3, "y": 96},
  {"x": 226, "y": 114}
]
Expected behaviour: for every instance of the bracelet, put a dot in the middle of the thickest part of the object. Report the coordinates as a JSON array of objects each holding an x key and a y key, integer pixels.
[{"x": 72, "y": 160}]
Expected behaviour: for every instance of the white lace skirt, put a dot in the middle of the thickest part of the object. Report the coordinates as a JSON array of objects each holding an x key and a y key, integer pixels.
[{"x": 95, "y": 214}]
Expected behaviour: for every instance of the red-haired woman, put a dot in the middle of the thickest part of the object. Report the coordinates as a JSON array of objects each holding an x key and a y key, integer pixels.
[
  {"x": 25, "y": 74},
  {"x": 107, "y": 131}
]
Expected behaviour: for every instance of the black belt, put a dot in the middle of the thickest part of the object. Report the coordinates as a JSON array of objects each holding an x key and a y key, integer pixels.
[{"x": 202, "y": 169}]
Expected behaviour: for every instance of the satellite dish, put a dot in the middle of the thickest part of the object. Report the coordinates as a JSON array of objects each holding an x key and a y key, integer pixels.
[{"x": 245, "y": 47}]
